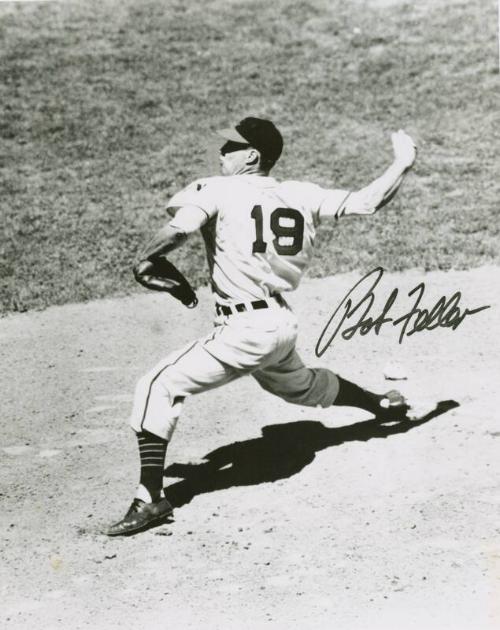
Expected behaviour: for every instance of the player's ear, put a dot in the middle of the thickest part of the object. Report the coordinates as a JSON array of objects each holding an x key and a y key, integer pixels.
[{"x": 253, "y": 157}]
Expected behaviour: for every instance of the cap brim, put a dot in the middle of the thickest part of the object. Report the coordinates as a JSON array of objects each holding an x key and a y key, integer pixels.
[{"x": 231, "y": 134}]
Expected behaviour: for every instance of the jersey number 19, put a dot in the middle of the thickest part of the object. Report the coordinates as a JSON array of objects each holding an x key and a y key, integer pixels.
[{"x": 295, "y": 231}]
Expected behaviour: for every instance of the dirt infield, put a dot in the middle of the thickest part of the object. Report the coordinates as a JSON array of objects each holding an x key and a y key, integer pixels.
[{"x": 307, "y": 519}]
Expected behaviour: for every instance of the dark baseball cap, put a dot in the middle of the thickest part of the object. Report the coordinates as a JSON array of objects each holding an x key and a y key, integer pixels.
[{"x": 259, "y": 133}]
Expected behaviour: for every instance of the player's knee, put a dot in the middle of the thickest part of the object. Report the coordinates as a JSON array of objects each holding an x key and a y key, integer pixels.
[
  {"x": 150, "y": 385},
  {"x": 321, "y": 390},
  {"x": 143, "y": 383}
]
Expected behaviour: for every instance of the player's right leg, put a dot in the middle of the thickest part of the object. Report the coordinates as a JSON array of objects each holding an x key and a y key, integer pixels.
[{"x": 291, "y": 380}]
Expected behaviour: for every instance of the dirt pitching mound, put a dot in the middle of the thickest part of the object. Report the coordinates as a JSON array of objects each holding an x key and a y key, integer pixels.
[{"x": 303, "y": 518}]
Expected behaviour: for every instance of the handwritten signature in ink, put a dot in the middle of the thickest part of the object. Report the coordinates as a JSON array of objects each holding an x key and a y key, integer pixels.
[{"x": 445, "y": 313}]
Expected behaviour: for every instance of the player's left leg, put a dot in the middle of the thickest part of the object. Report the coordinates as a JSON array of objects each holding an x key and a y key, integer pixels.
[{"x": 158, "y": 400}]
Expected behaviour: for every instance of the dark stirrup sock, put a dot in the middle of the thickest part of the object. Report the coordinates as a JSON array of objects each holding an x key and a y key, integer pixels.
[
  {"x": 152, "y": 450},
  {"x": 351, "y": 395}
]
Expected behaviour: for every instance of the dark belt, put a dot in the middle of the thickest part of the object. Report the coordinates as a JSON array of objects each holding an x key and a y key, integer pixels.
[{"x": 221, "y": 309}]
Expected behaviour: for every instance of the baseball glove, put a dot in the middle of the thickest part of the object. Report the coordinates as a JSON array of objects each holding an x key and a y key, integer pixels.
[{"x": 161, "y": 275}]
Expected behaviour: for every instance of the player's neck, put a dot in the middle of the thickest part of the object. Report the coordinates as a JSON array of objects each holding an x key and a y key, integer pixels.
[{"x": 251, "y": 169}]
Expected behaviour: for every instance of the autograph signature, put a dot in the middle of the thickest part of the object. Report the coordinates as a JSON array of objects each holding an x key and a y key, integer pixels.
[{"x": 445, "y": 313}]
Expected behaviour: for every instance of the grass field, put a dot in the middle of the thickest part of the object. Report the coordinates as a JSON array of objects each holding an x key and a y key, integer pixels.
[{"x": 107, "y": 109}]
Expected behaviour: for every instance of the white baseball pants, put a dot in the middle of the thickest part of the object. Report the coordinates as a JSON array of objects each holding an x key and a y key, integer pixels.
[{"x": 261, "y": 343}]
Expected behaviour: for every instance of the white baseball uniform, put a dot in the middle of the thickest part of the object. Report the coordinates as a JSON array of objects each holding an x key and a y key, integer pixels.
[{"x": 259, "y": 236}]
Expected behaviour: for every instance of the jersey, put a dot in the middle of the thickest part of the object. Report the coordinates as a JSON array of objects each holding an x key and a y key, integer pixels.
[{"x": 259, "y": 233}]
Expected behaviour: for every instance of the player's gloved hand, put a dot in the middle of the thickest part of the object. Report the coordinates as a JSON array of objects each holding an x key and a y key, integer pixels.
[
  {"x": 405, "y": 150},
  {"x": 162, "y": 275}
]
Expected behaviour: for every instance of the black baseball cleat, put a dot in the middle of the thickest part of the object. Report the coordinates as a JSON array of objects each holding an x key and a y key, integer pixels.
[
  {"x": 140, "y": 516},
  {"x": 393, "y": 406}
]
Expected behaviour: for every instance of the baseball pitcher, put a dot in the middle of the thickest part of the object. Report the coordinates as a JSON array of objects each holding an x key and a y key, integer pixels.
[{"x": 259, "y": 235}]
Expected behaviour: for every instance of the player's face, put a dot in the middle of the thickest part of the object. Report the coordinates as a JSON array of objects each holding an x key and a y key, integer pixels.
[{"x": 233, "y": 158}]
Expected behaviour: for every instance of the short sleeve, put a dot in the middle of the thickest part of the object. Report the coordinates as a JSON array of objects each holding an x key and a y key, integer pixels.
[
  {"x": 324, "y": 202},
  {"x": 199, "y": 193},
  {"x": 333, "y": 203}
]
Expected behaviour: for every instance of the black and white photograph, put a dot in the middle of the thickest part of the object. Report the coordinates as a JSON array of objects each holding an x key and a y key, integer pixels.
[{"x": 249, "y": 314}]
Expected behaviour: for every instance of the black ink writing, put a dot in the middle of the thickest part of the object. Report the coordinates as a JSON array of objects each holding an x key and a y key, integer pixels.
[{"x": 445, "y": 313}]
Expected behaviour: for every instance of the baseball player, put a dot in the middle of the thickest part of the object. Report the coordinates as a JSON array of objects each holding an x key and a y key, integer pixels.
[{"x": 259, "y": 236}]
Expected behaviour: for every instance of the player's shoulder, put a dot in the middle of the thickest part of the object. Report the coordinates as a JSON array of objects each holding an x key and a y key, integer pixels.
[
  {"x": 212, "y": 182},
  {"x": 225, "y": 187},
  {"x": 193, "y": 192},
  {"x": 306, "y": 194},
  {"x": 202, "y": 183},
  {"x": 299, "y": 186}
]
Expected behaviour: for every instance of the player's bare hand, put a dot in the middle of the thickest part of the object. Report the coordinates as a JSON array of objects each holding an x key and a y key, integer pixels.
[{"x": 405, "y": 149}]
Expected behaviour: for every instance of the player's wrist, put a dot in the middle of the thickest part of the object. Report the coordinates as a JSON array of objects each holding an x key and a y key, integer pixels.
[{"x": 404, "y": 163}]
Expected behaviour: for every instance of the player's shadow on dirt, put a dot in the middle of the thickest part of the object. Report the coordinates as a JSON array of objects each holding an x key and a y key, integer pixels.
[{"x": 282, "y": 451}]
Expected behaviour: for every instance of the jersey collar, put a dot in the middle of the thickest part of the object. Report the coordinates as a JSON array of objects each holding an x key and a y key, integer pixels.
[{"x": 263, "y": 180}]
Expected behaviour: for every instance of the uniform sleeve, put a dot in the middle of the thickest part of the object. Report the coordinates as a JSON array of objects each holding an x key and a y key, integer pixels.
[
  {"x": 188, "y": 219},
  {"x": 200, "y": 194},
  {"x": 334, "y": 203},
  {"x": 326, "y": 202}
]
